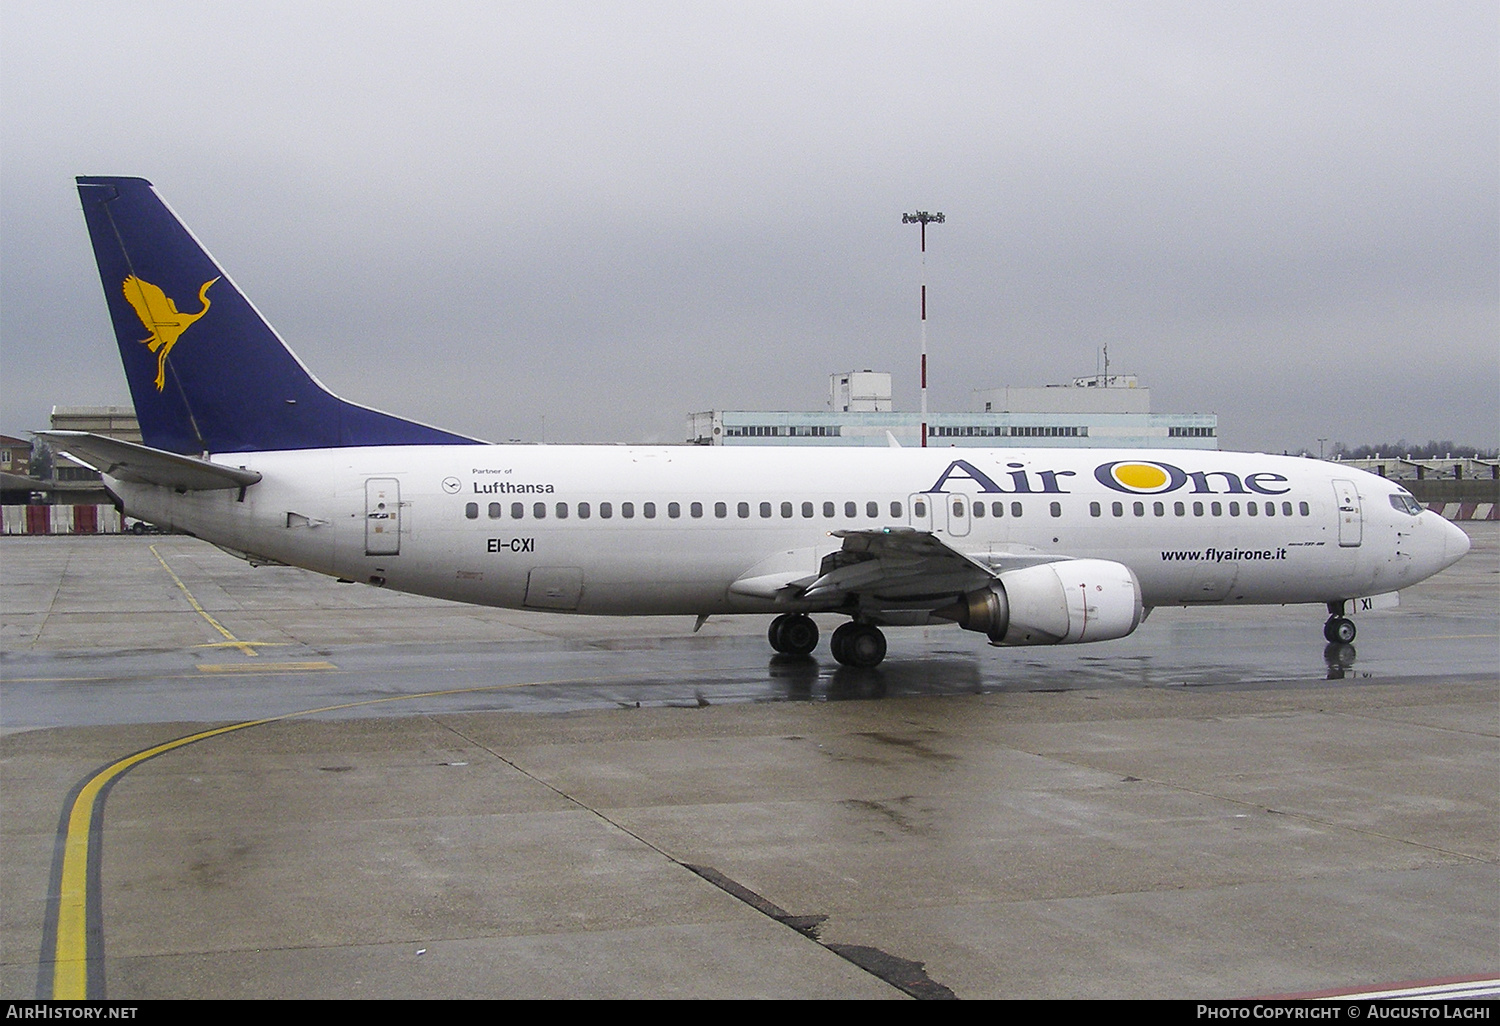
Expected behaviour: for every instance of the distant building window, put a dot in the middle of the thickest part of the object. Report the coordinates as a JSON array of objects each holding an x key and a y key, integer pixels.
[
  {"x": 1191, "y": 432},
  {"x": 966, "y": 431},
  {"x": 1049, "y": 432},
  {"x": 816, "y": 431},
  {"x": 756, "y": 431}
]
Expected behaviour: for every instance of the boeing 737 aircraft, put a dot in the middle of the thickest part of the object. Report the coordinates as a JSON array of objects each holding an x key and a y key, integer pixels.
[{"x": 244, "y": 448}]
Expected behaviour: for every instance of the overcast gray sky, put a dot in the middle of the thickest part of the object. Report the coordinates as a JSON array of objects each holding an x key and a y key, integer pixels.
[{"x": 610, "y": 214}]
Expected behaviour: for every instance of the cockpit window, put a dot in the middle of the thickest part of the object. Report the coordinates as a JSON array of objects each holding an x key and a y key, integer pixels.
[{"x": 1406, "y": 504}]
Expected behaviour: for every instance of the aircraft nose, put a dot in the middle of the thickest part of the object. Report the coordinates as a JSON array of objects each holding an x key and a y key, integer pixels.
[{"x": 1455, "y": 543}]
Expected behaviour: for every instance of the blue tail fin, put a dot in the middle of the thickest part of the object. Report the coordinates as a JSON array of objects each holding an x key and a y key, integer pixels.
[{"x": 214, "y": 377}]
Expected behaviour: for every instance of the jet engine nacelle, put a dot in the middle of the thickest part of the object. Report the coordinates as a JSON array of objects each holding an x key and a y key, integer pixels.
[{"x": 1062, "y": 603}]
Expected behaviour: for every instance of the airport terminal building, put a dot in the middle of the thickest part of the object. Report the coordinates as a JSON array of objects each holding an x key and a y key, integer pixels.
[{"x": 1096, "y": 412}]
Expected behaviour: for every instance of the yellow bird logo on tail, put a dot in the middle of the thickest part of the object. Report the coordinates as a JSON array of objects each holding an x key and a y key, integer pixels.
[{"x": 161, "y": 317}]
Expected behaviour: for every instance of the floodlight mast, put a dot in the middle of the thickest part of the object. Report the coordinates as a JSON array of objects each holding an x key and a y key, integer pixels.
[{"x": 923, "y": 218}]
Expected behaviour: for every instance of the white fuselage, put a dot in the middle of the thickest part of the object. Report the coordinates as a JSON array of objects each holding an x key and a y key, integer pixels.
[{"x": 651, "y": 530}]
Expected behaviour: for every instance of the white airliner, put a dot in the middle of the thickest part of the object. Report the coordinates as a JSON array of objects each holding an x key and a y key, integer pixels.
[{"x": 245, "y": 449}]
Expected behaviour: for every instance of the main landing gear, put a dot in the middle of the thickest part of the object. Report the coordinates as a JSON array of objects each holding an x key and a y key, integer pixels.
[
  {"x": 858, "y": 644},
  {"x": 793, "y": 634},
  {"x": 853, "y": 644}
]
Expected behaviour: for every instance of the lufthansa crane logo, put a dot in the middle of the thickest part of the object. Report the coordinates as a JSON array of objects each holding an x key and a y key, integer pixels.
[{"x": 161, "y": 317}]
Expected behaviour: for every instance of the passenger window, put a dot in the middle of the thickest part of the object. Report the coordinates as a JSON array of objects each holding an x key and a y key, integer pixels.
[
  {"x": 606, "y": 510},
  {"x": 1015, "y": 509},
  {"x": 958, "y": 507},
  {"x": 919, "y": 508},
  {"x": 1117, "y": 508},
  {"x": 1251, "y": 509},
  {"x": 872, "y": 510},
  {"x": 1270, "y": 509},
  {"x": 1138, "y": 508},
  {"x": 721, "y": 510},
  {"x": 807, "y": 509},
  {"x": 674, "y": 510},
  {"x": 562, "y": 511},
  {"x": 997, "y": 509},
  {"x": 1094, "y": 509},
  {"x": 786, "y": 510},
  {"x": 1286, "y": 509},
  {"x": 765, "y": 509},
  {"x": 539, "y": 511},
  {"x": 648, "y": 510},
  {"x": 742, "y": 510},
  {"x": 1197, "y": 509},
  {"x": 1178, "y": 509},
  {"x": 1302, "y": 508},
  {"x": 583, "y": 511},
  {"x": 627, "y": 510},
  {"x": 494, "y": 511},
  {"x": 1056, "y": 509},
  {"x": 977, "y": 509},
  {"x": 896, "y": 510},
  {"x": 1234, "y": 509},
  {"x": 695, "y": 510},
  {"x": 472, "y": 511},
  {"x": 1159, "y": 509},
  {"x": 828, "y": 510},
  {"x": 1216, "y": 509},
  {"x": 517, "y": 510},
  {"x": 851, "y": 510}
]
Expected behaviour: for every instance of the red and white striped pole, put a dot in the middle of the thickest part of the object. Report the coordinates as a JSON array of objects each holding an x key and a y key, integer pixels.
[{"x": 922, "y": 218}]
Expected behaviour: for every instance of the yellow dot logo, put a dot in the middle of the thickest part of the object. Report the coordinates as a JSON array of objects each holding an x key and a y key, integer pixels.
[{"x": 1141, "y": 477}]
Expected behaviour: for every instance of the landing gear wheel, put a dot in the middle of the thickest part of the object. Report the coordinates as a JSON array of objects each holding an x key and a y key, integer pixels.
[
  {"x": 773, "y": 633},
  {"x": 1339, "y": 630},
  {"x": 858, "y": 644},
  {"x": 793, "y": 634}
]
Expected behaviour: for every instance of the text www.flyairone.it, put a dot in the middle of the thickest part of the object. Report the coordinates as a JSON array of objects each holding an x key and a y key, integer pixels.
[{"x": 1222, "y": 555}]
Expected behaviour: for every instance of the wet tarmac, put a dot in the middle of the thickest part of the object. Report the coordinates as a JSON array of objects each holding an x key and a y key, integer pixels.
[{"x": 454, "y": 801}]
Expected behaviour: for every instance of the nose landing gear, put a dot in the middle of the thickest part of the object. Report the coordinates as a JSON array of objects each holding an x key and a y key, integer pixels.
[{"x": 1339, "y": 630}]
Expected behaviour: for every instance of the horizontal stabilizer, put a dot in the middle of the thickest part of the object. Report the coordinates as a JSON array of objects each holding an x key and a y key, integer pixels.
[{"x": 143, "y": 465}]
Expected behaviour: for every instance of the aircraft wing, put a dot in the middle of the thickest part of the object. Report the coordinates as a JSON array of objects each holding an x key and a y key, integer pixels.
[
  {"x": 145, "y": 465},
  {"x": 896, "y": 564}
]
